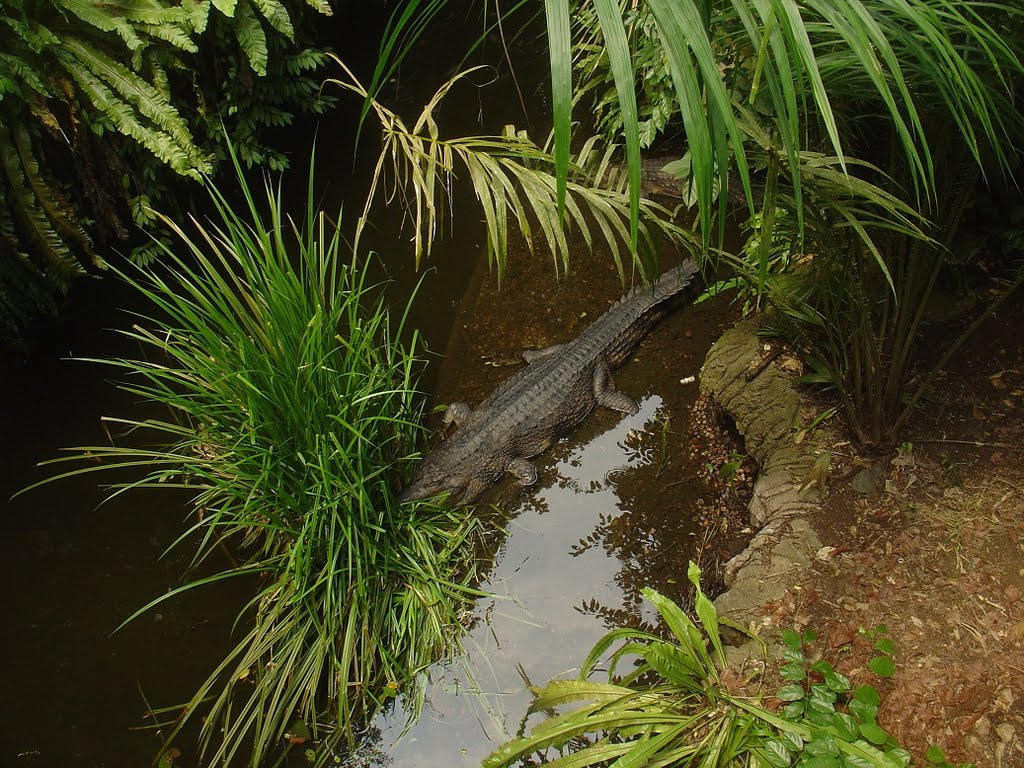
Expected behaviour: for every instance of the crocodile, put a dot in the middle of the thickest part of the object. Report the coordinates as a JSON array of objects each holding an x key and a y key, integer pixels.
[{"x": 544, "y": 400}]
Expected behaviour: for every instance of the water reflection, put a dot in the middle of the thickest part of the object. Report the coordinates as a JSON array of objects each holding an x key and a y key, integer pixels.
[{"x": 536, "y": 626}]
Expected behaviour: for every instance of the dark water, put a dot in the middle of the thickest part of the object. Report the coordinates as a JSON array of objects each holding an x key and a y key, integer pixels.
[
  {"x": 75, "y": 570},
  {"x": 610, "y": 514}
]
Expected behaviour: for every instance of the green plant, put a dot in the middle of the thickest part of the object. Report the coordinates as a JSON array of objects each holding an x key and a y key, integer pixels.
[
  {"x": 822, "y": 699},
  {"x": 513, "y": 181},
  {"x": 596, "y": 84},
  {"x": 682, "y": 705},
  {"x": 104, "y": 103},
  {"x": 292, "y": 417}
]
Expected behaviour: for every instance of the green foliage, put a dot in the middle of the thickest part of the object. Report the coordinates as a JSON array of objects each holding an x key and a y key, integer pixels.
[
  {"x": 74, "y": 74},
  {"x": 834, "y": 712},
  {"x": 514, "y": 182},
  {"x": 596, "y": 86},
  {"x": 866, "y": 128},
  {"x": 291, "y": 418},
  {"x": 42, "y": 244},
  {"x": 675, "y": 707}
]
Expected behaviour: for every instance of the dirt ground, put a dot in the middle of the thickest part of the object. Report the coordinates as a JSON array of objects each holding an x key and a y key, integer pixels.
[{"x": 935, "y": 553}]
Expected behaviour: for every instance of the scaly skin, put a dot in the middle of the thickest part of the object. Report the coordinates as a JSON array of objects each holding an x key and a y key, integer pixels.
[{"x": 543, "y": 401}]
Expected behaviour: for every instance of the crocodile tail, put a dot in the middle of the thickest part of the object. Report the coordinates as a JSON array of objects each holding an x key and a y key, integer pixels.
[{"x": 676, "y": 279}]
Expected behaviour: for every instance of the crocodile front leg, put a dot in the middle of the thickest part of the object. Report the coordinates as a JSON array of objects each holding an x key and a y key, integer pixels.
[
  {"x": 524, "y": 470},
  {"x": 456, "y": 413},
  {"x": 532, "y": 355},
  {"x": 607, "y": 395}
]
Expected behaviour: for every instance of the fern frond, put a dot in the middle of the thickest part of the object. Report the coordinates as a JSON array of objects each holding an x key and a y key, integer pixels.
[
  {"x": 158, "y": 76},
  {"x": 150, "y": 12},
  {"x": 226, "y": 7},
  {"x": 321, "y": 6},
  {"x": 305, "y": 60},
  {"x": 126, "y": 120},
  {"x": 139, "y": 95},
  {"x": 198, "y": 14},
  {"x": 100, "y": 18},
  {"x": 23, "y": 74},
  {"x": 277, "y": 16},
  {"x": 57, "y": 262},
  {"x": 24, "y": 292},
  {"x": 251, "y": 37},
  {"x": 170, "y": 33},
  {"x": 35, "y": 36},
  {"x": 62, "y": 216}
]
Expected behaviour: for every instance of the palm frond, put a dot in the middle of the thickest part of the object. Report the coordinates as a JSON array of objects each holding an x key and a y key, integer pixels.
[{"x": 513, "y": 179}]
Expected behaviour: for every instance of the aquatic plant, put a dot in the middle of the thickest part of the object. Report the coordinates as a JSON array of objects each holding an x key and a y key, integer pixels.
[
  {"x": 681, "y": 704},
  {"x": 292, "y": 418}
]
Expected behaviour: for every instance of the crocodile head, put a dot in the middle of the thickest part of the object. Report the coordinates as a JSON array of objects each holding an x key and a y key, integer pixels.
[
  {"x": 427, "y": 482},
  {"x": 441, "y": 472}
]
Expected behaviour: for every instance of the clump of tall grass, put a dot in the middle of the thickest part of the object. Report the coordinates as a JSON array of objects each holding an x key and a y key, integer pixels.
[{"x": 292, "y": 419}]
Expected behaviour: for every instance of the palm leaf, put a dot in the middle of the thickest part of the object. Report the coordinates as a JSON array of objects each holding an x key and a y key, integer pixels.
[
  {"x": 622, "y": 71},
  {"x": 559, "y": 44},
  {"x": 510, "y": 175}
]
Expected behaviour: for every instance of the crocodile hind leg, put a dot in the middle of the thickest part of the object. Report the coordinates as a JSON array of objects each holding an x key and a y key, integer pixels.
[{"x": 607, "y": 395}]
